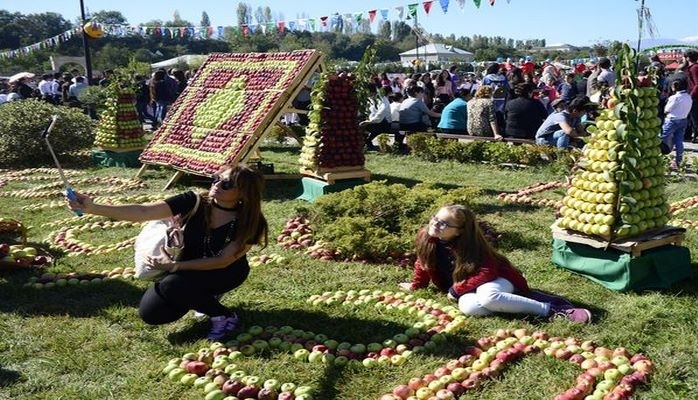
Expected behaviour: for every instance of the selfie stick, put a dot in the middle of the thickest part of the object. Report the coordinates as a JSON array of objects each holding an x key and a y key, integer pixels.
[{"x": 68, "y": 190}]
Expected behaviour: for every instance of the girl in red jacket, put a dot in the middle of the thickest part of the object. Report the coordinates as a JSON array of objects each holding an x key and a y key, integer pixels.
[{"x": 453, "y": 253}]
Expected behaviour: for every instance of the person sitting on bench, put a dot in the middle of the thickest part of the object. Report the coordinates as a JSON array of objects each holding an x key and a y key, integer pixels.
[
  {"x": 414, "y": 114},
  {"x": 379, "y": 118}
]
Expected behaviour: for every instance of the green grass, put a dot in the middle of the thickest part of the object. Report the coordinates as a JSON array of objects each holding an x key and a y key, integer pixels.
[{"x": 87, "y": 342}]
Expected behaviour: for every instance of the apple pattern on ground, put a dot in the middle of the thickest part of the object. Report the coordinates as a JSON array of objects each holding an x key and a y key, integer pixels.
[
  {"x": 66, "y": 238},
  {"x": 103, "y": 185},
  {"x": 137, "y": 198},
  {"x": 524, "y": 195},
  {"x": 218, "y": 371},
  {"x": 223, "y": 110},
  {"x": 682, "y": 206},
  {"x": 50, "y": 280},
  {"x": 35, "y": 175}
]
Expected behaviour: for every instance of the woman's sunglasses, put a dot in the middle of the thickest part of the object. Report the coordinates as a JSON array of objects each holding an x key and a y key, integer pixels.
[{"x": 226, "y": 184}]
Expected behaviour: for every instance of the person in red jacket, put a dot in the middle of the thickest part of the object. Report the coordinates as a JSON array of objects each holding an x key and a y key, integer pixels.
[{"x": 453, "y": 253}]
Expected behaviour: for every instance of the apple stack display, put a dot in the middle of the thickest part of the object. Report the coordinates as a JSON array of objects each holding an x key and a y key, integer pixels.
[
  {"x": 333, "y": 138},
  {"x": 119, "y": 128},
  {"x": 618, "y": 189}
]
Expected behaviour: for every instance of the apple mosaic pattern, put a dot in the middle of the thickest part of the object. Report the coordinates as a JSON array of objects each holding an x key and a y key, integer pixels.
[
  {"x": 218, "y": 370},
  {"x": 683, "y": 206},
  {"x": 223, "y": 111},
  {"x": 525, "y": 194}
]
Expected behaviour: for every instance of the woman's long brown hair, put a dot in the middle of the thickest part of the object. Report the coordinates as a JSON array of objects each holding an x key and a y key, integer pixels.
[
  {"x": 252, "y": 226},
  {"x": 470, "y": 248}
]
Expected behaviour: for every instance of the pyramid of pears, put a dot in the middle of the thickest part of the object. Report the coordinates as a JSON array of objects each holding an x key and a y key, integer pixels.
[{"x": 618, "y": 189}]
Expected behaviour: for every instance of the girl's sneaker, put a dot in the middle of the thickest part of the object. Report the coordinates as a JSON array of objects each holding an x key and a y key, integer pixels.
[
  {"x": 221, "y": 326},
  {"x": 578, "y": 315}
]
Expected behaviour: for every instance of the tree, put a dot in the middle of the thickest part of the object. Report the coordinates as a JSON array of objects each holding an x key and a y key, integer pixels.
[
  {"x": 205, "y": 20},
  {"x": 384, "y": 30},
  {"x": 110, "y": 17},
  {"x": 400, "y": 31},
  {"x": 244, "y": 14}
]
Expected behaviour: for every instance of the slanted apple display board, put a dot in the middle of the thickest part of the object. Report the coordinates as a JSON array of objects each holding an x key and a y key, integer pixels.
[
  {"x": 618, "y": 190},
  {"x": 232, "y": 101}
]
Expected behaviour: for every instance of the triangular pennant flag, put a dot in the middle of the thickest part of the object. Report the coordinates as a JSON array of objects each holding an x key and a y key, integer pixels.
[
  {"x": 491, "y": 2},
  {"x": 371, "y": 15},
  {"x": 444, "y": 5},
  {"x": 358, "y": 17},
  {"x": 477, "y": 3},
  {"x": 461, "y": 4},
  {"x": 252, "y": 28},
  {"x": 182, "y": 31},
  {"x": 292, "y": 25},
  {"x": 263, "y": 28},
  {"x": 400, "y": 11},
  {"x": 384, "y": 14},
  {"x": 245, "y": 30},
  {"x": 412, "y": 10},
  {"x": 303, "y": 25},
  {"x": 311, "y": 22},
  {"x": 323, "y": 21},
  {"x": 427, "y": 6},
  {"x": 282, "y": 26}
]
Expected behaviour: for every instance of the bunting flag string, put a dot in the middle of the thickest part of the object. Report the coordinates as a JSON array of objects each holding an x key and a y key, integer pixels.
[{"x": 333, "y": 21}]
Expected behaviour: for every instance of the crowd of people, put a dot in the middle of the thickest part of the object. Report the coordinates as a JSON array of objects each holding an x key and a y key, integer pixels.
[
  {"x": 154, "y": 94},
  {"x": 546, "y": 104}
]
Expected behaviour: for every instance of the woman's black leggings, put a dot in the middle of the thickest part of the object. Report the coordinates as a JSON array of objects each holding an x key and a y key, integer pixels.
[{"x": 174, "y": 295}]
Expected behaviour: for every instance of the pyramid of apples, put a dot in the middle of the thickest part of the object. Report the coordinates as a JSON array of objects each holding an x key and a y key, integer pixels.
[
  {"x": 333, "y": 138},
  {"x": 618, "y": 188},
  {"x": 119, "y": 127}
]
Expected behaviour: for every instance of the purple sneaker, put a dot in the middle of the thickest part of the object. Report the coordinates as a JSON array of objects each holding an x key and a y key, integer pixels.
[
  {"x": 578, "y": 315},
  {"x": 554, "y": 300},
  {"x": 222, "y": 326}
]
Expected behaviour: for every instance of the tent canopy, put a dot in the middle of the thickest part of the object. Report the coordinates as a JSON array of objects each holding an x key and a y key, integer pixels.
[{"x": 185, "y": 59}]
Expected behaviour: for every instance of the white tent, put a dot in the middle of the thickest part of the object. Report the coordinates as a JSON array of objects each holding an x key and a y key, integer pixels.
[
  {"x": 186, "y": 59},
  {"x": 436, "y": 53}
]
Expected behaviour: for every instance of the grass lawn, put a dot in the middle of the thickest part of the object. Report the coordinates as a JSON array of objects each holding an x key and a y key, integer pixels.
[{"x": 88, "y": 342}]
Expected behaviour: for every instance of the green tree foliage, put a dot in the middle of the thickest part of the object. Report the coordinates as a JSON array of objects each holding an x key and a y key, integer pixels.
[
  {"x": 110, "y": 17},
  {"x": 205, "y": 20}
]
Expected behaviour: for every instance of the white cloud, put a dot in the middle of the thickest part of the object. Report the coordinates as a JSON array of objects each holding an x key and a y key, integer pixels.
[{"x": 693, "y": 38}]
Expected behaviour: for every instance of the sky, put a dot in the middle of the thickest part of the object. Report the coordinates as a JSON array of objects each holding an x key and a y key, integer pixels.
[{"x": 580, "y": 23}]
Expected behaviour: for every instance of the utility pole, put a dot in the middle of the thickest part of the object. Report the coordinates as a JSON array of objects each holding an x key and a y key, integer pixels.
[{"x": 86, "y": 45}]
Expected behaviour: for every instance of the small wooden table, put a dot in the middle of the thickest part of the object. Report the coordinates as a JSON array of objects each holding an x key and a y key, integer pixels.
[{"x": 634, "y": 245}]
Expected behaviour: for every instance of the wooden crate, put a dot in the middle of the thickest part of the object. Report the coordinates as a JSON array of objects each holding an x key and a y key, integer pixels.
[
  {"x": 337, "y": 174},
  {"x": 635, "y": 245}
]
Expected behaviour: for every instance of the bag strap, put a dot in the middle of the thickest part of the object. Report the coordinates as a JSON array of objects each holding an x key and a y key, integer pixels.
[{"x": 192, "y": 211}]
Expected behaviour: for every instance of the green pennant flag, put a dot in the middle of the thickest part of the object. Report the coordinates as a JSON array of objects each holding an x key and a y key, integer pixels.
[
  {"x": 412, "y": 10},
  {"x": 358, "y": 17},
  {"x": 312, "y": 24},
  {"x": 477, "y": 3}
]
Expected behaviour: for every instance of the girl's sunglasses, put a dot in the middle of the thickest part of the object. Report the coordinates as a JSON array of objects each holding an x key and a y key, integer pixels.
[{"x": 226, "y": 184}]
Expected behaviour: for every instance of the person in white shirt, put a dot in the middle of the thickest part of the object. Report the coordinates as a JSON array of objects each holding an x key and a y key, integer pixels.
[
  {"x": 677, "y": 108},
  {"x": 379, "y": 117},
  {"x": 46, "y": 87}
]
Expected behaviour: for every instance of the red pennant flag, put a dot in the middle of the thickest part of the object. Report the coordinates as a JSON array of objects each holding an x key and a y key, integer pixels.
[
  {"x": 427, "y": 6},
  {"x": 323, "y": 20},
  {"x": 492, "y": 2},
  {"x": 282, "y": 26},
  {"x": 245, "y": 30},
  {"x": 371, "y": 15}
]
